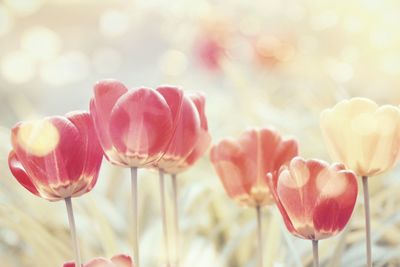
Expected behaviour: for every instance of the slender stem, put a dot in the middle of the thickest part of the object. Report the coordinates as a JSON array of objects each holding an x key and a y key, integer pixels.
[
  {"x": 134, "y": 187},
  {"x": 259, "y": 237},
  {"x": 176, "y": 218},
  {"x": 367, "y": 220},
  {"x": 315, "y": 252},
  {"x": 72, "y": 227},
  {"x": 164, "y": 216}
]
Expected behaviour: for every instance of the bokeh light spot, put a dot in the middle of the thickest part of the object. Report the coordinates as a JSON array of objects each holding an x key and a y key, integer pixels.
[
  {"x": 114, "y": 23},
  {"x": 173, "y": 62},
  {"x": 106, "y": 60},
  {"x": 39, "y": 137},
  {"x": 17, "y": 67},
  {"x": 40, "y": 42}
]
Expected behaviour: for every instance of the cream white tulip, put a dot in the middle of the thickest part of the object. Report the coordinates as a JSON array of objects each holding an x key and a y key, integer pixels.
[{"x": 362, "y": 135}]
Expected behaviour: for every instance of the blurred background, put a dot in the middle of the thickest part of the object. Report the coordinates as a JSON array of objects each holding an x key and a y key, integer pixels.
[{"x": 261, "y": 63}]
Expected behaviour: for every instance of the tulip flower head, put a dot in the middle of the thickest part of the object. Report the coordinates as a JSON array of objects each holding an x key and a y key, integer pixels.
[
  {"x": 191, "y": 137},
  {"x": 136, "y": 126},
  {"x": 362, "y": 135},
  {"x": 242, "y": 164},
  {"x": 316, "y": 199},
  {"x": 116, "y": 261},
  {"x": 56, "y": 157}
]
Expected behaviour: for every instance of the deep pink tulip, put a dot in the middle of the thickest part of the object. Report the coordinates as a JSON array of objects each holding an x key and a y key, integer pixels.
[
  {"x": 316, "y": 199},
  {"x": 116, "y": 261},
  {"x": 56, "y": 157}
]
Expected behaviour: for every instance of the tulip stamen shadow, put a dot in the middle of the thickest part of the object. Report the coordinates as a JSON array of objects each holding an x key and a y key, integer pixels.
[
  {"x": 72, "y": 227},
  {"x": 315, "y": 253}
]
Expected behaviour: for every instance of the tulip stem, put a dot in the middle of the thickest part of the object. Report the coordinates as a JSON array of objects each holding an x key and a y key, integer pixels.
[
  {"x": 367, "y": 220},
  {"x": 259, "y": 237},
  {"x": 72, "y": 227},
  {"x": 164, "y": 216},
  {"x": 315, "y": 253},
  {"x": 134, "y": 188},
  {"x": 176, "y": 217}
]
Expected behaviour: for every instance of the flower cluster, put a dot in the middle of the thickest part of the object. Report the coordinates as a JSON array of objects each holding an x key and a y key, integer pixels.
[{"x": 59, "y": 157}]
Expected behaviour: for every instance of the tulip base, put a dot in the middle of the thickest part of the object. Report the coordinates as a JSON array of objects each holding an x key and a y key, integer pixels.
[
  {"x": 72, "y": 227},
  {"x": 367, "y": 220},
  {"x": 259, "y": 237},
  {"x": 134, "y": 189},
  {"x": 176, "y": 217},
  {"x": 164, "y": 217},
  {"x": 315, "y": 253}
]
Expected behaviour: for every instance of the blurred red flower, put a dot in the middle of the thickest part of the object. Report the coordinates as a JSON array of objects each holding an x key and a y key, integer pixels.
[{"x": 116, "y": 261}]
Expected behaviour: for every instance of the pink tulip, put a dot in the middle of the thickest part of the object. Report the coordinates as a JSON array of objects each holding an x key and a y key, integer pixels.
[
  {"x": 134, "y": 127},
  {"x": 316, "y": 199},
  {"x": 191, "y": 137},
  {"x": 56, "y": 157},
  {"x": 116, "y": 261}
]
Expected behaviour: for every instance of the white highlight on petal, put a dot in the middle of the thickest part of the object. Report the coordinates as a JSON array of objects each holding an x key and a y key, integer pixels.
[
  {"x": 298, "y": 175},
  {"x": 364, "y": 124},
  {"x": 331, "y": 183},
  {"x": 38, "y": 138}
]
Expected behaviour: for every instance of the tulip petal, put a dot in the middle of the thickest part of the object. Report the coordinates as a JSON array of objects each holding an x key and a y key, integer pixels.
[
  {"x": 92, "y": 150},
  {"x": 226, "y": 158},
  {"x": 20, "y": 174},
  {"x": 122, "y": 261},
  {"x": 204, "y": 138},
  {"x": 185, "y": 137},
  {"x": 106, "y": 94},
  {"x": 141, "y": 125}
]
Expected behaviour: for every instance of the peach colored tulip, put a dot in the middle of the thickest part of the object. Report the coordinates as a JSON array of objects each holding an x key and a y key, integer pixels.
[
  {"x": 362, "y": 135},
  {"x": 242, "y": 164}
]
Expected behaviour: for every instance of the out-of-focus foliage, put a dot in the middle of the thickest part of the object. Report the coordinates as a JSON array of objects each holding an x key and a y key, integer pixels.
[{"x": 260, "y": 63}]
